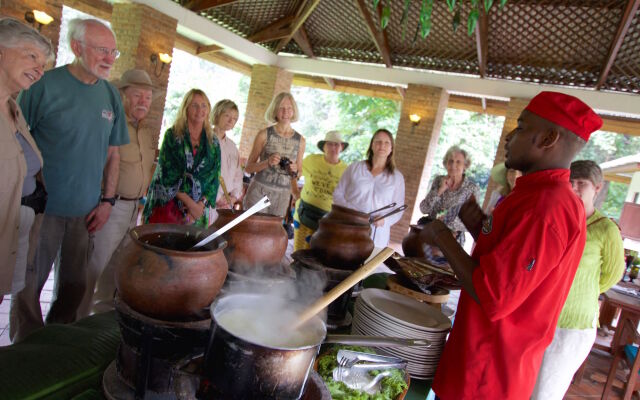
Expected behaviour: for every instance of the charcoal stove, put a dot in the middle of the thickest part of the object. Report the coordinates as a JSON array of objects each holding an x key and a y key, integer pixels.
[{"x": 155, "y": 359}]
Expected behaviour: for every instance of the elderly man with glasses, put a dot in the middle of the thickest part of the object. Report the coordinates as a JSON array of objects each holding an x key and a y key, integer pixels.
[{"x": 78, "y": 121}]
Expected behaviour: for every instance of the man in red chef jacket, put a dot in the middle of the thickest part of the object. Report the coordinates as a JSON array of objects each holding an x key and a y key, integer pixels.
[{"x": 518, "y": 277}]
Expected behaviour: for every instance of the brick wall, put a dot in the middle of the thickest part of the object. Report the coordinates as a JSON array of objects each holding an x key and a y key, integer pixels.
[
  {"x": 140, "y": 32},
  {"x": 515, "y": 107},
  {"x": 17, "y": 9},
  {"x": 415, "y": 147},
  {"x": 266, "y": 82}
]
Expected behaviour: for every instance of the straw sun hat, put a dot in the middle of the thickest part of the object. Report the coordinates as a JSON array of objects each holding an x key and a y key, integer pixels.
[{"x": 333, "y": 136}]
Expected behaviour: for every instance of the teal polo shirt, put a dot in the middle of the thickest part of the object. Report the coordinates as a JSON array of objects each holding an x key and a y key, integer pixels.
[{"x": 73, "y": 124}]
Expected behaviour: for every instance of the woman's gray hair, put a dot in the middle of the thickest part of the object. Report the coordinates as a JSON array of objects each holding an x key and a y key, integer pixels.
[
  {"x": 13, "y": 33},
  {"x": 271, "y": 115},
  {"x": 456, "y": 149},
  {"x": 78, "y": 28}
]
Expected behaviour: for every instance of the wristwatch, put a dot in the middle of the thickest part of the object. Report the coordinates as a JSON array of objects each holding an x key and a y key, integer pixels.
[{"x": 110, "y": 200}]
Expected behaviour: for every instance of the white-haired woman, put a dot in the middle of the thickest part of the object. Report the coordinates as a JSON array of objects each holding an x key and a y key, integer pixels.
[
  {"x": 276, "y": 157},
  {"x": 223, "y": 118},
  {"x": 24, "y": 54},
  {"x": 449, "y": 192},
  {"x": 187, "y": 176}
]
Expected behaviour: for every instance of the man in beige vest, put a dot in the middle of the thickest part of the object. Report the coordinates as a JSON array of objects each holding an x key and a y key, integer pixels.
[{"x": 136, "y": 168}]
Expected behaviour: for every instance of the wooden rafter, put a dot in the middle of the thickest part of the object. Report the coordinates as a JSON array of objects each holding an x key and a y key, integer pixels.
[
  {"x": 301, "y": 38},
  {"x": 379, "y": 38},
  {"x": 201, "y": 5},
  {"x": 330, "y": 82},
  {"x": 276, "y": 30},
  {"x": 303, "y": 12},
  {"x": 625, "y": 22},
  {"x": 482, "y": 43},
  {"x": 212, "y": 48}
]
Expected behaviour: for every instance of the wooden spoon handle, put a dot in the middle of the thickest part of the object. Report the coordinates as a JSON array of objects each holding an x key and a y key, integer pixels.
[{"x": 343, "y": 286}]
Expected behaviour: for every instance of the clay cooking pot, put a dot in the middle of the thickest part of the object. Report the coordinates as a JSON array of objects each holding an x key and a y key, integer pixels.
[
  {"x": 342, "y": 245},
  {"x": 158, "y": 278},
  {"x": 260, "y": 240}
]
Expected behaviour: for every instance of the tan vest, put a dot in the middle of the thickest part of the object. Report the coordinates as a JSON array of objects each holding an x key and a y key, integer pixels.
[{"x": 13, "y": 168}]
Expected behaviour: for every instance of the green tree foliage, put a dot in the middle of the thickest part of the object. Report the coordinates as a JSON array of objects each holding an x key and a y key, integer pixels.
[
  {"x": 607, "y": 146},
  {"x": 476, "y": 133},
  {"x": 355, "y": 117}
]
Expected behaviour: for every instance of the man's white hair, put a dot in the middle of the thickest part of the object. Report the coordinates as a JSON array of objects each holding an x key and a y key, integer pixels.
[{"x": 78, "y": 28}]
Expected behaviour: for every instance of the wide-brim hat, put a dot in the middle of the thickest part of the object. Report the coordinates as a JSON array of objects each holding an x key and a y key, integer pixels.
[
  {"x": 137, "y": 77},
  {"x": 333, "y": 136}
]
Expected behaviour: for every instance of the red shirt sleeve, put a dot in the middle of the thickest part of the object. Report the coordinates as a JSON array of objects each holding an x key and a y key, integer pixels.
[{"x": 526, "y": 252}]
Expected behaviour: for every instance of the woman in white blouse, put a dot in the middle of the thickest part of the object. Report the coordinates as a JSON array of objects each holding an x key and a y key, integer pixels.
[
  {"x": 372, "y": 184},
  {"x": 223, "y": 118}
]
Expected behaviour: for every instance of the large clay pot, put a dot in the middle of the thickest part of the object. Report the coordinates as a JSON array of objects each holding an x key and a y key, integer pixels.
[
  {"x": 342, "y": 245},
  {"x": 349, "y": 215},
  {"x": 259, "y": 241},
  {"x": 157, "y": 278}
]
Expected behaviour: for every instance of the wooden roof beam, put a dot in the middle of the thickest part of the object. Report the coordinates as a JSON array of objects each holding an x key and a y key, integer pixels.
[
  {"x": 482, "y": 43},
  {"x": 330, "y": 82},
  {"x": 625, "y": 22},
  {"x": 379, "y": 39},
  {"x": 201, "y": 5},
  {"x": 305, "y": 10},
  {"x": 276, "y": 30},
  {"x": 301, "y": 38},
  {"x": 212, "y": 48}
]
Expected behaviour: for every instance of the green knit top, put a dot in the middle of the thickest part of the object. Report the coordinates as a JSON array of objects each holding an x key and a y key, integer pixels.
[{"x": 600, "y": 267}]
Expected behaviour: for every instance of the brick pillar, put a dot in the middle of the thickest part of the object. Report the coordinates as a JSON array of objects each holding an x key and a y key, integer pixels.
[
  {"x": 416, "y": 147},
  {"x": 266, "y": 82},
  {"x": 140, "y": 32},
  {"x": 515, "y": 107},
  {"x": 17, "y": 9}
]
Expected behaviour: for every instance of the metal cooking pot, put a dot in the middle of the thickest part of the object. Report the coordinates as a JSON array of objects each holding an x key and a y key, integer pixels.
[{"x": 241, "y": 369}]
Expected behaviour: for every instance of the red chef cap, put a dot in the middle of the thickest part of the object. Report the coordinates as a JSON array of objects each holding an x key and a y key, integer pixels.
[{"x": 566, "y": 111}]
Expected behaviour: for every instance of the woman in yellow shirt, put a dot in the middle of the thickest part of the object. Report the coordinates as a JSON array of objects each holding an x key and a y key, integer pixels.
[{"x": 321, "y": 173}]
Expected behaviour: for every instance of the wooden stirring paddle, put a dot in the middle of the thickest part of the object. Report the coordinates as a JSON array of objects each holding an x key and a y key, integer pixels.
[{"x": 343, "y": 286}]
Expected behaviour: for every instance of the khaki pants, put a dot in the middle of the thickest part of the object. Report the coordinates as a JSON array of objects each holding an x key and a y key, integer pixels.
[
  {"x": 69, "y": 237},
  {"x": 124, "y": 215}
]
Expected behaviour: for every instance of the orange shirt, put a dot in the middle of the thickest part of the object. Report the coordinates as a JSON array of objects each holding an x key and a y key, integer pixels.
[{"x": 527, "y": 256}]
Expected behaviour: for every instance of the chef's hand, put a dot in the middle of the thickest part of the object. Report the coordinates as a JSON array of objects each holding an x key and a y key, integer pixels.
[
  {"x": 379, "y": 222},
  {"x": 432, "y": 230},
  {"x": 472, "y": 216}
]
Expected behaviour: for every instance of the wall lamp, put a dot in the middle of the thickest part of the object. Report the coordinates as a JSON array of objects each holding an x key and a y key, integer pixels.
[
  {"x": 39, "y": 17},
  {"x": 415, "y": 121},
  {"x": 160, "y": 60}
]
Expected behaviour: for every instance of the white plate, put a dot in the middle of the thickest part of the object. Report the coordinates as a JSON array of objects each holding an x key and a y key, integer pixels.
[{"x": 405, "y": 310}]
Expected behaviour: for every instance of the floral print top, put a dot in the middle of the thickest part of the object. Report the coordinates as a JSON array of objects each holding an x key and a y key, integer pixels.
[
  {"x": 447, "y": 205},
  {"x": 183, "y": 168}
]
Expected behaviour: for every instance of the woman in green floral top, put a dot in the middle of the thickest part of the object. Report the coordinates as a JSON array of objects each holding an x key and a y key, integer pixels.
[{"x": 186, "y": 179}]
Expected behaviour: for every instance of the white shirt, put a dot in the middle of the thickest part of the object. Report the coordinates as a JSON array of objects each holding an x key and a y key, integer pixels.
[
  {"x": 230, "y": 168},
  {"x": 361, "y": 191}
]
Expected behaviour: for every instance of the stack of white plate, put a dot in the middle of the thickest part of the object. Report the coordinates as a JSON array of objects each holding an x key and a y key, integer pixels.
[{"x": 380, "y": 312}]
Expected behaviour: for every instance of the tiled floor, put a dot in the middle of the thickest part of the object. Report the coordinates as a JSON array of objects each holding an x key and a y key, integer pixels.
[{"x": 45, "y": 301}]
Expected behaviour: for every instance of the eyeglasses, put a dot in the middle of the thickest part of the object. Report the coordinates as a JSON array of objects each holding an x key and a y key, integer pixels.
[{"x": 115, "y": 53}]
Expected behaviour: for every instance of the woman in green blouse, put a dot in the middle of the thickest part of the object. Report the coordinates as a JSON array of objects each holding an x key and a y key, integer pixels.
[
  {"x": 600, "y": 268},
  {"x": 186, "y": 179}
]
